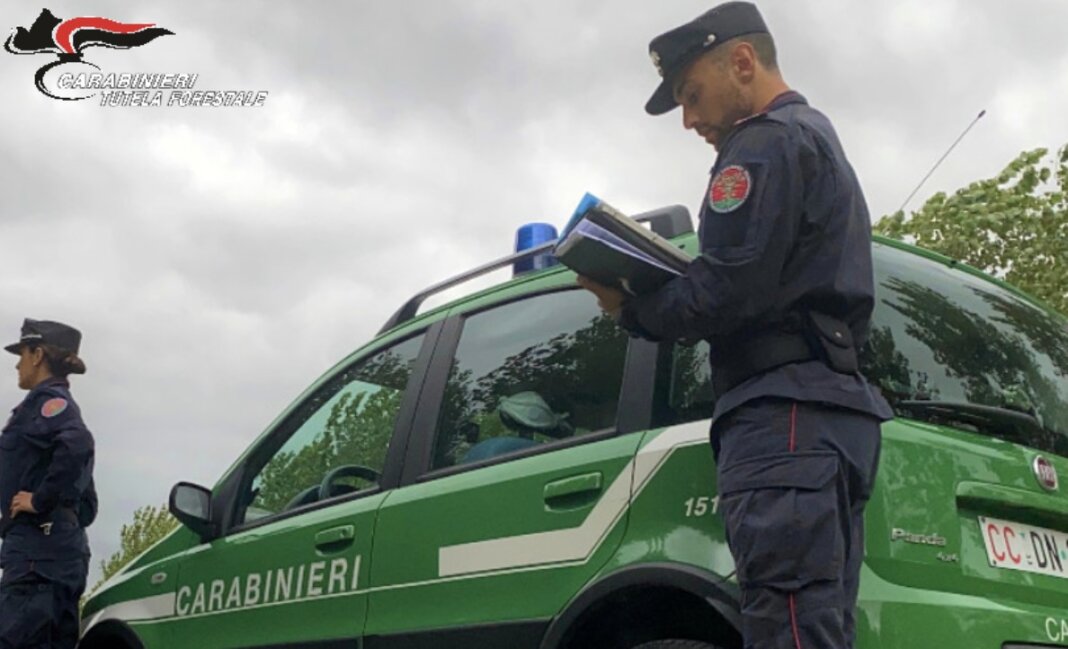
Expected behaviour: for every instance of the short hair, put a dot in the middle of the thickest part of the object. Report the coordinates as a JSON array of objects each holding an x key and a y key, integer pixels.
[{"x": 762, "y": 43}]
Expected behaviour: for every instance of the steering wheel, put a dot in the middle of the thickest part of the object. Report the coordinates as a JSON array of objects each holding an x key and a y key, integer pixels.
[
  {"x": 346, "y": 471},
  {"x": 304, "y": 497}
]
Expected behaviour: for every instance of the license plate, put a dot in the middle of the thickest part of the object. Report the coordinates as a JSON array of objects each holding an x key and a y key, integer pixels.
[{"x": 1016, "y": 546}]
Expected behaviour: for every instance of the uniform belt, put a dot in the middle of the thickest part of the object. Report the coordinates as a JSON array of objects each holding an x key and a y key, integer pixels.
[
  {"x": 736, "y": 363},
  {"x": 42, "y": 521}
]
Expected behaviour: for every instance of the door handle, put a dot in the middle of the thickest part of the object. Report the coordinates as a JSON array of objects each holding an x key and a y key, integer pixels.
[
  {"x": 573, "y": 492},
  {"x": 336, "y": 537}
]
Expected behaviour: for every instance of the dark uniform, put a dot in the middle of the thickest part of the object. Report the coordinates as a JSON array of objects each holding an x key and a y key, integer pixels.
[
  {"x": 783, "y": 293},
  {"x": 45, "y": 449}
]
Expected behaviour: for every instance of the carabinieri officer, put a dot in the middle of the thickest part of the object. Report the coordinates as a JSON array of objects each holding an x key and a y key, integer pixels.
[
  {"x": 783, "y": 292},
  {"x": 47, "y": 497}
]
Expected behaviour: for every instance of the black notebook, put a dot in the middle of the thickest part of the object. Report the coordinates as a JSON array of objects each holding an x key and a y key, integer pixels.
[{"x": 609, "y": 247}]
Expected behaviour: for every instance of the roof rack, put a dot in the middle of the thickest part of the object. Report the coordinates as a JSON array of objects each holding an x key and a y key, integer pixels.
[{"x": 668, "y": 222}]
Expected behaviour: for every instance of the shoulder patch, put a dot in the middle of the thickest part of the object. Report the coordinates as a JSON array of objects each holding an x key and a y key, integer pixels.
[
  {"x": 729, "y": 189},
  {"x": 53, "y": 407}
]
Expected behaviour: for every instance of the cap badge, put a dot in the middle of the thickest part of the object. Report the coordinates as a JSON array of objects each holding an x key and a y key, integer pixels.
[
  {"x": 729, "y": 189},
  {"x": 655, "y": 56},
  {"x": 53, "y": 407}
]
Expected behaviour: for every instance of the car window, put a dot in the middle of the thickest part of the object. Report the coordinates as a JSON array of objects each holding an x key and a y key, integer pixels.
[
  {"x": 940, "y": 334},
  {"x": 937, "y": 334},
  {"x": 529, "y": 373},
  {"x": 689, "y": 395},
  {"x": 340, "y": 434}
]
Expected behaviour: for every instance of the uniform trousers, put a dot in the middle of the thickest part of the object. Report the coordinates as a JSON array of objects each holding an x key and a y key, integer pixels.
[
  {"x": 39, "y": 603},
  {"x": 793, "y": 480}
]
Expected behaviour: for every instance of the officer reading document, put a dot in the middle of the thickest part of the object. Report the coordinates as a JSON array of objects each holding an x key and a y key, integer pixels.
[
  {"x": 47, "y": 497},
  {"x": 783, "y": 293}
]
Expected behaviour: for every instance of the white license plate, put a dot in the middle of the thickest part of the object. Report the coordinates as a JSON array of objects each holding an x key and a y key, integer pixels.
[{"x": 1016, "y": 546}]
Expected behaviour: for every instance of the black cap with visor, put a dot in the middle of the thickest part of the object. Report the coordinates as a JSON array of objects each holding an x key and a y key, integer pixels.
[
  {"x": 672, "y": 51},
  {"x": 47, "y": 332}
]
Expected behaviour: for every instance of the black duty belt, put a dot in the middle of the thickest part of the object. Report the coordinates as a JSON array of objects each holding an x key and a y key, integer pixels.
[
  {"x": 44, "y": 522},
  {"x": 821, "y": 337},
  {"x": 735, "y": 364}
]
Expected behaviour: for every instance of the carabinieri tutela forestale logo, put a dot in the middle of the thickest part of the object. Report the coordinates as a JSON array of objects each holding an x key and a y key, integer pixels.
[{"x": 72, "y": 78}]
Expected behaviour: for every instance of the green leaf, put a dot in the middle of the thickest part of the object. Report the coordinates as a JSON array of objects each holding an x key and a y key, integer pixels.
[{"x": 1005, "y": 225}]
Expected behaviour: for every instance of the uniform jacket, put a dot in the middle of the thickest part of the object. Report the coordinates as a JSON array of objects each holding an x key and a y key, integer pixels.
[
  {"x": 46, "y": 449},
  {"x": 784, "y": 229}
]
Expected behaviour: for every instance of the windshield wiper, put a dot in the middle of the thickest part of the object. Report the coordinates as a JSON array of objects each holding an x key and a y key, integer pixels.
[
  {"x": 1019, "y": 425},
  {"x": 975, "y": 414},
  {"x": 1005, "y": 423}
]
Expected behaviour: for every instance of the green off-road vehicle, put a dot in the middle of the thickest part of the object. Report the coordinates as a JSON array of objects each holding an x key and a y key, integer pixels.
[{"x": 511, "y": 470}]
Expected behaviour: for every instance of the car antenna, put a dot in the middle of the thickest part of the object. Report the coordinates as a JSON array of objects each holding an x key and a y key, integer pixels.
[{"x": 944, "y": 156}]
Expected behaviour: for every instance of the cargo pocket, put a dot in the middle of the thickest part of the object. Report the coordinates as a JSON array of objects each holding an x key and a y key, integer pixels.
[
  {"x": 782, "y": 516},
  {"x": 26, "y": 614}
]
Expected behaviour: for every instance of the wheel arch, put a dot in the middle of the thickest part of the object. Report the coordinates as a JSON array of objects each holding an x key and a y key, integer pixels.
[
  {"x": 109, "y": 634},
  {"x": 692, "y": 586}
]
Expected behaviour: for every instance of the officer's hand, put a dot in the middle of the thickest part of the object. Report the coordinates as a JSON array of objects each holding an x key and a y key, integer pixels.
[
  {"x": 609, "y": 299},
  {"x": 22, "y": 502}
]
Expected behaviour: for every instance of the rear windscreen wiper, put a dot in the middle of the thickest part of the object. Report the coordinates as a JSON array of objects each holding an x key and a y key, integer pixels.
[
  {"x": 974, "y": 414},
  {"x": 1005, "y": 423}
]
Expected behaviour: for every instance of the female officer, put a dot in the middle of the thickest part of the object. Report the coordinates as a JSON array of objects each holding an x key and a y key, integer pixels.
[{"x": 47, "y": 496}]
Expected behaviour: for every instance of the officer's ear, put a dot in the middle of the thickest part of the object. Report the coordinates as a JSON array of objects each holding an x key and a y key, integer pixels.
[{"x": 743, "y": 61}]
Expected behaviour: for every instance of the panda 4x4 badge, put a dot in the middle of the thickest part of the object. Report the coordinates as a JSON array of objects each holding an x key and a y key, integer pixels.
[{"x": 729, "y": 189}]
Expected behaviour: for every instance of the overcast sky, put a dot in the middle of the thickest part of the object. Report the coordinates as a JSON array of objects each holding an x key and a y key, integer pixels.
[{"x": 219, "y": 260}]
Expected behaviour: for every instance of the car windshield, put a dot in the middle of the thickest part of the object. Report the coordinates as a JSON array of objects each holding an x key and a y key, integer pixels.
[{"x": 944, "y": 335}]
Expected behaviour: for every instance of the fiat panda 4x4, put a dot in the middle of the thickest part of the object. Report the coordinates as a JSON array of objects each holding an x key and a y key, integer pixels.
[{"x": 511, "y": 470}]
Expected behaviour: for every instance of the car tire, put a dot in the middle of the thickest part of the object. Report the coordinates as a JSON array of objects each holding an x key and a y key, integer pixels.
[{"x": 675, "y": 644}]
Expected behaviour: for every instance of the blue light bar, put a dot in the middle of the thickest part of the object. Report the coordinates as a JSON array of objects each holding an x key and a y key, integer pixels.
[{"x": 530, "y": 236}]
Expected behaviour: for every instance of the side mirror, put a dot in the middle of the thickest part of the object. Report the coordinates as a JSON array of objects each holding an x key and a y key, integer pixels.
[{"x": 191, "y": 505}]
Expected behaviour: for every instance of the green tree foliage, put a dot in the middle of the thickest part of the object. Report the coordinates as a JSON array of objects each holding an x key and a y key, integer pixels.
[
  {"x": 559, "y": 369},
  {"x": 565, "y": 370},
  {"x": 691, "y": 394},
  {"x": 356, "y": 431},
  {"x": 1013, "y": 226},
  {"x": 150, "y": 524}
]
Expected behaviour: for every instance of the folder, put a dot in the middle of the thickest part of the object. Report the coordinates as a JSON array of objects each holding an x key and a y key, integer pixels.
[{"x": 609, "y": 247}]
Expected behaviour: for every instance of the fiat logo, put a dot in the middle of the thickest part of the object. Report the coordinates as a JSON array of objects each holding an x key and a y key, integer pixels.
[{"x": 1045, "y": 473}]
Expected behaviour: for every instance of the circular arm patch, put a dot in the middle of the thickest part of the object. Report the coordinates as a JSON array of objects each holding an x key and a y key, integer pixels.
[
  {"x": 53, "y": 407},
  {"x": 729, "y": 189}
]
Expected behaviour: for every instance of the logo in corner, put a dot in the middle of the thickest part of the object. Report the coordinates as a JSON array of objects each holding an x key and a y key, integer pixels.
[
  {"x": 67, "y": 39},
  {"x": 729, "y": 189}
]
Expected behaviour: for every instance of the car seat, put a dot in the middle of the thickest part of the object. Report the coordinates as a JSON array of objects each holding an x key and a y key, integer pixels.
[{"x": 524, "y": 413}]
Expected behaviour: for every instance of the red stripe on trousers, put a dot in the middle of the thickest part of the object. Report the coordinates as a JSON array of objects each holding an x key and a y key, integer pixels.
[
  {"x": 793, "y": 428},
  {"x": 793, "y": 622},
  {"x": 793, "y": 447}
]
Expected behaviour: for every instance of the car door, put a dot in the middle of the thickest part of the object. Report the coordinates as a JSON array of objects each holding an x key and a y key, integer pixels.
[
  {"x": 292, "y": 570},
  {"x": 521, "y": 478}
]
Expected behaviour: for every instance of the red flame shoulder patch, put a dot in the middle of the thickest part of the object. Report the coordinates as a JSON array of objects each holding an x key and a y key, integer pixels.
[
  {"x": 53, "y": 407},
  {"x": 729, "y": 189}
]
